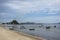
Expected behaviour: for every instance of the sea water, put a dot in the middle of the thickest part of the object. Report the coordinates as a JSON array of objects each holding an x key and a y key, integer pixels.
[{"x": 40, "y": 31}]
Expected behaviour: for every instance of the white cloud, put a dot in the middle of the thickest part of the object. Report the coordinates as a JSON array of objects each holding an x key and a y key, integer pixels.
[
  {"x": 33, "y": 5},
  {"x": 23, "y": 7}
]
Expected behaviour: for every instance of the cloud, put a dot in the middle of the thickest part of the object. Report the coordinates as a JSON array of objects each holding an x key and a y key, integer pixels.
[
  {"x": 30, "y": 6},
  {"x": 20, "y": 8}
]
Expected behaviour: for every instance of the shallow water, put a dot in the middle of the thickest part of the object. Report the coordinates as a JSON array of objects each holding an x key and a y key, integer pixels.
[{"x": 50, "y": 34}]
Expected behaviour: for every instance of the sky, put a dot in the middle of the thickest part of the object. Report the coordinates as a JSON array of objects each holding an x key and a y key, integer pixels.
[{"x": 40, "y": 11}]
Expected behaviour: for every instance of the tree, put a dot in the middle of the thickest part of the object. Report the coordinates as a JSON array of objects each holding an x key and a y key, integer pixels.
[{"x": 14, "y": 22}]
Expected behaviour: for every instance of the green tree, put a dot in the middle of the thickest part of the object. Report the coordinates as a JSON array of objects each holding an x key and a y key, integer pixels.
[{"x": 14, "y": 22}]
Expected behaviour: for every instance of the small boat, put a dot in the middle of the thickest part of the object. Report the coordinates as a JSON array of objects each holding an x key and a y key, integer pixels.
[
  {"x": 31, "y": 29},
  {"x": 40, "y": 26},
  {"x": 11, "y": 28},
  {"x": 48, "y": 27},
  {"x": 22, "y": 27},
  {"x": 58, "y": 23},
  {"x": 54, "y": 26}
]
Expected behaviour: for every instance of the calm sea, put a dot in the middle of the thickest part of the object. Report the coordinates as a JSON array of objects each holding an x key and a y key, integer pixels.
[{"x": 39, "y": 30}]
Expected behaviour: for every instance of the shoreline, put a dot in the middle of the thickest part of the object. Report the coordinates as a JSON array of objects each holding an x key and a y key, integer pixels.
[{"x": 15, "y": 34}]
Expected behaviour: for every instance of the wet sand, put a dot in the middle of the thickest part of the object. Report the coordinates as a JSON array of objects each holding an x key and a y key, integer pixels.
[{"x": 13, "y": 35}]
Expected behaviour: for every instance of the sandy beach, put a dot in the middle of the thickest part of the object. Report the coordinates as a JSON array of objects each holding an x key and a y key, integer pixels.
[{"x": 12, "y": 35}]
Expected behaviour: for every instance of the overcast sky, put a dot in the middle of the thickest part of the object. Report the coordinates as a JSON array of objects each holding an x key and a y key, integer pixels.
[{"x": 43, "y": 11}]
